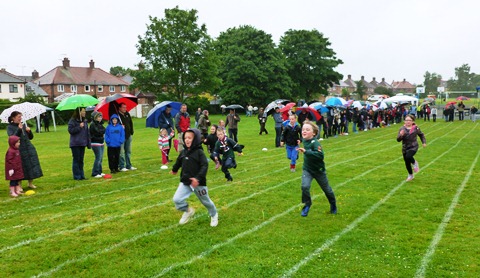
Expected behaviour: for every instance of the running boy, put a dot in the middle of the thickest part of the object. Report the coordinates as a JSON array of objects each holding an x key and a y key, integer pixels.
[
  {"x": 291, "y": 137},
  {"x": 193, "y": 177},
  {"x": 225, "y": 147},
  {"x": 13, "y": 165},
  {"x": 314, "y": 168}
]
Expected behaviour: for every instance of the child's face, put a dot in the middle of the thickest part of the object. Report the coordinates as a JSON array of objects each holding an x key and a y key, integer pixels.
[
  {"x": 221, "y": 123},
  {"x": 213, "y": 130},
  {"x": 163, "y": 132},
  {"x": 293, "y": 120},
  {"x": 307, "y": 131},
  {"x": 114, "y": 121},
  {"x": 17, "y": 145},
  {"x": 188, "y": 138},
  {"x": 220, "y": 134}
]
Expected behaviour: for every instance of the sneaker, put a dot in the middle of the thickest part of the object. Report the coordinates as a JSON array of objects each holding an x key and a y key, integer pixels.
[
  {"x": 333, "y": 208},
  {"x": 98, "y": 176},
  {"x": 292, "y": 170},
  {"x": 186, "y": 216},
  {"x": 410, "y": 177},
  {"x": 124, "y": 169},
  {"x": 214, "y": 220},
  {"x": 32, "y": 186},
  {"x": 102, "y": 174},
  {"x": 229, "y": 179},
  {"x": 132, "y": 168},
  {"x": 305, "y": 211},
  {"x": 415, "y": 167}
]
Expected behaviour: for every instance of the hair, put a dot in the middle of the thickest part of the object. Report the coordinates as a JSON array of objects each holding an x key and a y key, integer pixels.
[
  {"x": 314, "y": 126},
  {"x": 222, "y": 129},
  {"x": 13, "y": 115},
  {"x": 411, "y": 117},
  {"x": 76, "y": 113},
  {"x": 293, "y": 114},
  {"x": 205, "y": 112},
  {"x": 162, "y": 129}
]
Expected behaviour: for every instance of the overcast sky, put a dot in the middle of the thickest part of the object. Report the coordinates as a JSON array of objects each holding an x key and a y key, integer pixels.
[{"x": 394, "y": 39}]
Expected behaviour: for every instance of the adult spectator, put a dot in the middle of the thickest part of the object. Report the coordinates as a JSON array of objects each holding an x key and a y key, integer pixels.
[
  {"x": 249, "y": 110},
  {"x": 197, "y": 116},
  {"x": 46, "y": 122},
  {"x": 125, "y": 163},
  {"x": 262, "y": 120},
  {"x": 277, "y": 117},
  {"x": 165, "y": 121},
  {"x": 182, "y": 124},
  {"x": 30, "y": 163},
  {"x": 204, "y": 124},
  {"x": 79, "y": 139},
  {"x": 232, "y": 123},
  {"x": 461, "y": 111},
  {"x": 304, "y": 115}
]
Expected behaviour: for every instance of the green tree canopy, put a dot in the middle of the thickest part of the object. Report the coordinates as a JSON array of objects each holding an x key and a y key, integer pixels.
[
  {"x": 177, "y": 56},
  {"x": 431, "y": 82},
  {"x": 310, "y": 62},
  {"x": 463, "y": 81},
  {"x": 252, "y": 69},
  {"x": 361, "y": 89},
  {"x": 380, "y": 90}
]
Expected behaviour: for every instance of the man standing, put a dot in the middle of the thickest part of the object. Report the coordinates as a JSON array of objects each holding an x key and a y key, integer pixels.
[
  {"x": 232, "y": 123},
  {"x": 126, "y": 148},
  {"x": 277, "y": 117},
  {"x": 182, "y": 124}
]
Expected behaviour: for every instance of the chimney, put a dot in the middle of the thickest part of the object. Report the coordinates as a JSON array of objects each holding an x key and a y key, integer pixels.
[
  {"x": 404, "y": 80},
  {"x": 383, "y": 79},
  {"x": 363, "y": 77},
  {"x": 92, "y": 64},
  {"x": 66, "y": 62},
  {"x": 349, "y": 76},
  {"x": 35, "y": 74},
  {"x": 373, "y": 79}
]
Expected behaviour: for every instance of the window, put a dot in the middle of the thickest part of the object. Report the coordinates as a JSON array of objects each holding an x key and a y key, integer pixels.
[
  {"x": 100, "y": 88},
  {"x": 60, "y": 88},
  {"x": 13, "y": 88},
  {"x": 112, "y": 89},
  {"x": 73, "y": 88},
  {"x": 87, "y": 88},
  {"x": 123, "y": 88}
]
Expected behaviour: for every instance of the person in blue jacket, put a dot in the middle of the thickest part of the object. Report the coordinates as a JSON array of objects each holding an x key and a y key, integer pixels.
[{"x": 114, "y": 137}]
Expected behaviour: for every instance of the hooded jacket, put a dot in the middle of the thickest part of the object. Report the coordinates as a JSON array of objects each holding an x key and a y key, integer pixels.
[
  {"x": 193, "y": 161},
  {"x": 291, "y": 134},
  {"x": 13, "y": 161},
  {"x": 114, "y": 134},
  {"x": 97, "y": 130},
  {"x": 409, "y": 139}
]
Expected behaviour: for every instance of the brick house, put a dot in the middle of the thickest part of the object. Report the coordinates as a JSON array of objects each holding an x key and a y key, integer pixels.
[
  {"x": 403, "y": 86},
  {"x": 11, "y": 87},
  {"x": 80, "y": 80}
]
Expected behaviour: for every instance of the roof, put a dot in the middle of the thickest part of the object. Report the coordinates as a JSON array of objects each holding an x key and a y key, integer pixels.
[
  {"x": 79, "y": 76},
  {"x": 32, "y": 87},
  {"x": 402, "y": 85},
  {"x": 6, "y": 77}
]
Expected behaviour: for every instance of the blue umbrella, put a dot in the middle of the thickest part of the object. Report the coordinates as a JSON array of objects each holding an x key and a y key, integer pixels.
[
  {"x": 155, "y": 112},
  {"x": 319, "y": 107},
  {"x": 335, "y": 101}
]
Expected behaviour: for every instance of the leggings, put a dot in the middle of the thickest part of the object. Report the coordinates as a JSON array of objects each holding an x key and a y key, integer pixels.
[{"x": 409, "y": 160}]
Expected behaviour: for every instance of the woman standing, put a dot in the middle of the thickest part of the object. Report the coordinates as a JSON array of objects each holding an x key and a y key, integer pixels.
[
  {"x": 79, "y": 139},
  {"x": 30, "y": 163},
  {"x": 408, "y": 135},
  {"x": 97, "y": 132}
]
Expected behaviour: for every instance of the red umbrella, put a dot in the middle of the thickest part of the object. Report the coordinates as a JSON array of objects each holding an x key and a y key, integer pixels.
[
  {"x": 110, "y": 104},
  {"x": 451, "y": 103},
  {"x": 462, "y": 98},
  {"x": 316, "y": 116},
  {"x": 287, "y": 107}
]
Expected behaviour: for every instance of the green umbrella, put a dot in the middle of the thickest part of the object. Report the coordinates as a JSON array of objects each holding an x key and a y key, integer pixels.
[{"x": 77, "y": 101}]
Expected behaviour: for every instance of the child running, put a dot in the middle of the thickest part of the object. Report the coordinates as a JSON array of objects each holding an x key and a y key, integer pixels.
[
  {"x": 408, "y": 135},
  {"x": 211, "y": 139},
  {"x": 13, "y": 165},
  {"x": 291, "y": 135},
  {"x": 314, "y": 168},
  {"x": 193, "y": 177},
  {"x": 164, "y": 144},
  {"x": 225, "y": 147},
  {"x": 114, "y": 137}
]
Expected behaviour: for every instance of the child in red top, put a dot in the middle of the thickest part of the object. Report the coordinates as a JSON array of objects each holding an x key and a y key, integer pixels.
[
  {"x": 164, "y": 143},
  {"x": 13, "y": 165}
]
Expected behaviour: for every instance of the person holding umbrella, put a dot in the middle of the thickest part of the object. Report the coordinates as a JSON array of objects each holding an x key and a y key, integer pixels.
[
  {"x": 30, "y": 162},
  {"x": 232, "y": 123},
  {"x": 79, "y": 139},
  {"x": 125, "y": 163}
]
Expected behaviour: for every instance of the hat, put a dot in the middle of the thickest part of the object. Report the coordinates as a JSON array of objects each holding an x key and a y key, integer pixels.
[{"x": 95, "y": 114}]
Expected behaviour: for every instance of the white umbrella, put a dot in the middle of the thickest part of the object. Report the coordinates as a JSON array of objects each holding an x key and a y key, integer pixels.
[
  {"x": 401, "y": 98},
  {"x": 357, "y": 104},
  {"x": 29, "y": 111}
]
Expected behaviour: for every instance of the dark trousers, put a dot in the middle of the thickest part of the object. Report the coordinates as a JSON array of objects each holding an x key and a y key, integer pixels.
[
  {"x": 263, "y": 129},
  {"x": 232, "y": 133},
  {"x": 409, "y": 160},
  {"x": 78, "y": 154},
  {"x": 278, "y": 136},
  {"x": 113, "y": 154}
]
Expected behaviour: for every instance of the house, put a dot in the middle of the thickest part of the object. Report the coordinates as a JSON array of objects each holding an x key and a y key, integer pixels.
[
  {"x": 90, "y": 80},
  {"x": 11, "y": 87},
  {"x": 143, "y": 98},
  {"x": 403, "y": 86},
  {"x": 384, "y": 84}
]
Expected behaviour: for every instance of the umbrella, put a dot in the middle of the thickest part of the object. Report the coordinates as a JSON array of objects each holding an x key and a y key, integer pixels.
[
  {"x": 313, "y": 112},
  {"x": 462, "y": 98},
  {"x": 271, "y": 106},
  {"x": 29, "y": 111},
  {"x": 234, "y": 106},
  {"x": 451, "y": 103},
  {"x": 287, "y": 107},
  {"x": 110, "y": 104},
  {"x": 335, "y": 101},
  {"x": 401, "y": 98},
  {"x": 156, "y": 111},
  {"x": 357, "y": 104},
  {"x": 76, "y": 101},
  {"x": 429, "y": 99}
]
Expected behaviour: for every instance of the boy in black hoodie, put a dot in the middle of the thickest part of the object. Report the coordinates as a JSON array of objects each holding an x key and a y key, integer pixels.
[{"x": 193, "y": 177}]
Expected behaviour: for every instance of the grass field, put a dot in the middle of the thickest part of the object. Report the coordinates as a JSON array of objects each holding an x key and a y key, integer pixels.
[{"x": 128, "y": 226}]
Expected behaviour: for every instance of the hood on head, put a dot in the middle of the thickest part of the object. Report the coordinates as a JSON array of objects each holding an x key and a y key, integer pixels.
[
  {"x": 12, "y": 140},
  {"x": 95, "y": 115},
  {"x": 114, "y": 116},
  {"x": 197, "y": 139}
]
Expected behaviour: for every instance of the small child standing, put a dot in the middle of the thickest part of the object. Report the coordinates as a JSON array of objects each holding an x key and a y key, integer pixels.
[
  {"x": 314, "y": 168},
  {"x": 114, "y": 137},
  {"x": 164, "y": 144},
  {"x": 193, "y": 177},
  {"x": 13, "y": 165},
  {"x": 291, "y": 137},
  {"x": 225, "y": 147},
  {"x": 433, "y": 111}
]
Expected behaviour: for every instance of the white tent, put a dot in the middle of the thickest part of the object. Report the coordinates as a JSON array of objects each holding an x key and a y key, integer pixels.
[{"x": 52, "y": 112}]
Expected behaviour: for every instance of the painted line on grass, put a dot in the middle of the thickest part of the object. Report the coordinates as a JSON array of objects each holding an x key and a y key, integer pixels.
[
  {"x": 446, "y": 219},
  {"x": 358, "y": 220}
]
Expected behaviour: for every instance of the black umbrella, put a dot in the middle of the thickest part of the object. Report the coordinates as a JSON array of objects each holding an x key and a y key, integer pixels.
[{"x": 234, "y": 106}]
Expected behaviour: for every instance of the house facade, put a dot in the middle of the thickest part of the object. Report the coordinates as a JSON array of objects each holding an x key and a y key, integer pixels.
[
  {"x": 11, "y": 87},
  {"x": 90, "y": 80}
]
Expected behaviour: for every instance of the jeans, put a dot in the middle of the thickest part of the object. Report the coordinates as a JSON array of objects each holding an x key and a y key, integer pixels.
[
  {"x": 78, "y": 154},
  {"x": 278, "y": 135},
  {"x": 97, "y": 164},
  {"x": 321, "y": 178},
  {"x": 292, "y": 154},
  {"x": 125, "y": 153},
  {"x": 232, "y": 133}
]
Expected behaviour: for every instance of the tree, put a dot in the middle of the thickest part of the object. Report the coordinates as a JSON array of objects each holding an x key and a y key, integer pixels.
[
  {"x": 431, "y": 82},
  {"x": 119, "y": 71},
  {"x": 380, "y": 90},
  {"x": 310, "y": 62},
  {"x": 464, "y": 79},
  {"x": 252, "y": 69},
  {"x": 177, "y": 56},
  {"x": 361, "y": 89},
  {"x": 345, "y": 93}
]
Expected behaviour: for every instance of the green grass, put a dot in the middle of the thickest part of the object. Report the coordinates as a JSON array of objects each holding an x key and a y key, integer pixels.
[{"x": 127, "y": 226}]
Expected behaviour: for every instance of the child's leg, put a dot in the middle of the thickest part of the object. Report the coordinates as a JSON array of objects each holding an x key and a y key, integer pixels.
[
  {"x": 110, "y": 154},
  {"x": 226, "y": 172},
  {"x": 164, "y": 157},
  {"x": 306, "y": 183},
  {"x": 322, "y": 180},
  {"x": 202, "y": 195},
  {"x": 180, "y": 197}
]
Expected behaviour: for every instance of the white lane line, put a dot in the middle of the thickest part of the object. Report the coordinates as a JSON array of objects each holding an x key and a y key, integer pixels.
[{"x": 446, "y": 219}]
